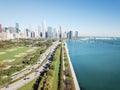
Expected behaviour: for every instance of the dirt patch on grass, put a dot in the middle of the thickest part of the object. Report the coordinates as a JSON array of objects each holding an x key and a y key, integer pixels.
[
  {"x": 11, "y": 50},
  {"x": 9, "y": 60},
  {"x": 30, "y": 50},
  {"x": 20, "y": 55},
  {"x": 2, "y": 53},
  {"x": 7, "y": 67},
  {"x": 20, "y": 47}
]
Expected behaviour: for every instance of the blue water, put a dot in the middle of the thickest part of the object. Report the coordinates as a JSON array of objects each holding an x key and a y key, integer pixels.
[{"x": 96, "y": 63}]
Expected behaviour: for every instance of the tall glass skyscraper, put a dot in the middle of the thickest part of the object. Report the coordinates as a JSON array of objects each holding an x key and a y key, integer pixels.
[
  {"x": 70, "y": 35},
  {"x": 49, "y": 32},
  {"x": 76, "y": 34},
  {"x": 0, "y": 28},
  {"x": 17, "y": 27},
  {"x": 60, "y": 32},
  {"x": 44, "y": 29}
]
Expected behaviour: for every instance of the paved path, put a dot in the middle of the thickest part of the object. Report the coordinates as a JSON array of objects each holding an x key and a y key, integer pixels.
[
  {"x": 72, "y": 70},
  {"x": 63, "y": 67}
]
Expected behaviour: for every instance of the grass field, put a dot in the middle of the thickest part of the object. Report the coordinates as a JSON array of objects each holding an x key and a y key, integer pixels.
[
  {"x": 4, "y": 50},
  {"x": 11, "y": 54},
  {"x": 16, "y": 51},
  {"x": 56, "y": 71}
]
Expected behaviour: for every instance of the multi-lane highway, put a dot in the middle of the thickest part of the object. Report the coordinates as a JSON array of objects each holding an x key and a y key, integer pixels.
[{"x": 34, "y": 74}]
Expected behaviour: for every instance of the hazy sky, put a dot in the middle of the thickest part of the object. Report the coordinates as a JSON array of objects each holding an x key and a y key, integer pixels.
[{"x": 89, "y": 17}]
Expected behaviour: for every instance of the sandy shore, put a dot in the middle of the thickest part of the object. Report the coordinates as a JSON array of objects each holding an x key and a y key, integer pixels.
[{"x": 72, "y": 70}]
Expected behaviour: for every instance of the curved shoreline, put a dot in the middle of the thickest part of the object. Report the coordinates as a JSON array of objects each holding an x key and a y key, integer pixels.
[{"x": 72, "y": 70}]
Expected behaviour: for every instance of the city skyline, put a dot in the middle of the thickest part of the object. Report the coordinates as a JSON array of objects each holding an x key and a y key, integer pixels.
[
  {"x": 89, "y": 17},
  {"x": 43, "y": 31}
]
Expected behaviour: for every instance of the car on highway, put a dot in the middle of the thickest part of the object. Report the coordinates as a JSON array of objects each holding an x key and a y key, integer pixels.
[
  {"x": 26, "y": 78},
  {"x": 7, "y": 86},
  {"x": 37, "y": 71}
]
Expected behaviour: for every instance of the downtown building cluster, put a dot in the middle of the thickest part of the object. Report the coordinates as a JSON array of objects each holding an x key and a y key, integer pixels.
[{"x": 7, "y": 33}]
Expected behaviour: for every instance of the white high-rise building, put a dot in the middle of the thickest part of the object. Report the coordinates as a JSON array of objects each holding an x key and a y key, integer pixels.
[
  {"x": 60, "y": 32},
  {"x": 44, "y": 29},
  {"x": 54, "y": 33},
  {"x": 22, "y": 33},
  {"x": 3, "y": 36},
  {"x": 39, "y": 31},
  {"x": 65, "y": 35},
  {"x": 8, "y": 34}
]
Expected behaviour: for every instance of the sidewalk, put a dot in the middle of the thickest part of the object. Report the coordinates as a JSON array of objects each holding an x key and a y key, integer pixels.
[{"x": 72, "y": 70}]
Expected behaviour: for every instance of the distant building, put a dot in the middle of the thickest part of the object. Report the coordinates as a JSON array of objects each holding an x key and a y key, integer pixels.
[
  {"x": 70, "y": 35},
  {"x": 41, "y": 35},
  {"x": 17, "y": 28},
  {"x": 49, "y": 32},
  {"x": 76, "y": 34},
  {"x": 46, "y": 35},
  {"x": 54, "y": 33},
  {"x": 57, "y": 34},
  {"x": 44, "y": 29},
  {"x": 12, "y": 29},
  {"x": 27, "y": 32},
  {"x": 0, "y": 28},
  {"x": 32, "y": 34},
  {"x": 60, "y": 32},
  {"x": 3, "y": 36},
  {"x": 65, "y": 35},
  {"x": 4, "y": 29},
  {"x": 39, "y": 31}
]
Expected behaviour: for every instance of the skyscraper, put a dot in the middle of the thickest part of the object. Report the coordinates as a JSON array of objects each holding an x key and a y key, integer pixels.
[
  {"x": 76, "y": 34},
  {"x": 32, "y": 34},
  {"x": 70, "y": 35},
  {"x": 65, "y": 35},
  {"x": 54, "y": 33},
  {"x": 12, "y": 29},
  {"x": 49, "y": 32},
  {"x": 39, "y": 31},
  {"x": 27, "y": 32},
  {"x": 17, "y": 27},
  {"x": 60, "y": 32},
  {"x": 44, "y": 29},
  {"x": 0, "y": 28}
]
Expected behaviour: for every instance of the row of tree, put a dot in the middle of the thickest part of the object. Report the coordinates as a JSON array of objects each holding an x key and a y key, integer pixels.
[
  {"x": 25, "y": 42},
  {"x": 49, "y": 78},
  {"x": 68, "y": 83}
]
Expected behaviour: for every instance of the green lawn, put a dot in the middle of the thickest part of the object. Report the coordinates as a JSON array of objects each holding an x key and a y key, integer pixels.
[
  {"x": 20, "y": 59},
  {"x": 11, "y": 55},
  {"x": 29, "y": 86},
  {"x": 56, "y": 71},
  {"x": 4, "y": 50}
]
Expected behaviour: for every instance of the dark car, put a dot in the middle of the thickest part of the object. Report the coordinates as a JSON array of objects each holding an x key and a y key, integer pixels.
[
  {"x": 6, "y": 86},
  {"x": 24, "y": 79}
]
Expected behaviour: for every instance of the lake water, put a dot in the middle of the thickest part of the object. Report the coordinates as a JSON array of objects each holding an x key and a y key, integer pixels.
[{"x": 96, "y": 63}]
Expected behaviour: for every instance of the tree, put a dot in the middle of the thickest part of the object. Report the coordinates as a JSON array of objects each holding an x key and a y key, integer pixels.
[{"x": 1, "y": 66}]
